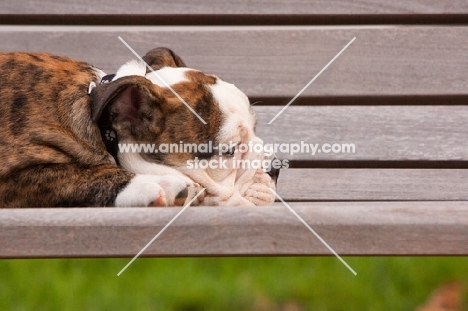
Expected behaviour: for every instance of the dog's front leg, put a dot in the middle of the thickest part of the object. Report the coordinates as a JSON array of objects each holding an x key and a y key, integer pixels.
[
  {"x": 70, "y": 185},
  {"x": 151, "y": 190}
]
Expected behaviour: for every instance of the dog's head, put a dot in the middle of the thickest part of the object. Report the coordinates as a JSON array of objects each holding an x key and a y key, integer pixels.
[{"x": 184, "y": 119}]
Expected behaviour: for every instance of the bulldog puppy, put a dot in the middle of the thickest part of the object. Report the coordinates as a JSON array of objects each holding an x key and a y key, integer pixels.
[
  {"x": 61, "y": 135},
  {"x": 230, "y": 123}
]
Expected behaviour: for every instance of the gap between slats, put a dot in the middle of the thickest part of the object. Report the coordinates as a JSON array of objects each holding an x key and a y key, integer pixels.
[
  {"x": 376, "y": 164},
  {"x": 383, "y": 100},
  {"x": 232, "y": 19}
]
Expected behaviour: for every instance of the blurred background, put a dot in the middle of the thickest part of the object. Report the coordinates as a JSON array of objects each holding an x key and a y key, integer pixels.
[{"x": 186, "y": 284}]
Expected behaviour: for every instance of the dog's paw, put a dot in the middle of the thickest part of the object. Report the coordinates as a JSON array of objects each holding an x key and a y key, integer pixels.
[
  {"x": 259, "y": 192},
  {"x": 150, "y": 190},
  {"x": 182, "y": 190}
]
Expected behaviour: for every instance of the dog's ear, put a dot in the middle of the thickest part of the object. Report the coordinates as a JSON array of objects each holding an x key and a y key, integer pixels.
[
  {"x": 126, "y": 95},
  {"x": 163, "y": 57}
]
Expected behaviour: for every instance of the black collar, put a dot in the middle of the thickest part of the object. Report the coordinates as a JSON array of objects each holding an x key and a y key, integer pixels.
[{"x": 108, "y": 135}]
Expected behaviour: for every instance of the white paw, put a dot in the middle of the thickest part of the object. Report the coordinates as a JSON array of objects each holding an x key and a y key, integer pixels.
[
  {"x": 256, "y": 192},
  {"x": 150, "y": 190},
  {"x": 259, "y": 192}
]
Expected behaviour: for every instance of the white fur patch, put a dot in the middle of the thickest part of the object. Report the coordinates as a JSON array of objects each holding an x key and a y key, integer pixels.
[
  {"x": 162, "y": 77},
  {"x": 142, "y": 191},
  {"x": 131, "y": 68},
  {"x": 235, "y": 107},
  {"x": 135, "y": 163},
  {"x": 168, "y": 76}
]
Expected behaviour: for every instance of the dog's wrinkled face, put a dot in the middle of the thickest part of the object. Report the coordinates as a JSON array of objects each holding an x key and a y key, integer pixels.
[{"x": 142, "y": 109}]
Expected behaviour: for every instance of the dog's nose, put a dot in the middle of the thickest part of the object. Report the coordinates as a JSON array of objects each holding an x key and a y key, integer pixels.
[{"x": 274, "y": 172}]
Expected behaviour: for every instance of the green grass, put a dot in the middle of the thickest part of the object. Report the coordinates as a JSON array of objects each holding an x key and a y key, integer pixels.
[{"x": 314, "y": 283}]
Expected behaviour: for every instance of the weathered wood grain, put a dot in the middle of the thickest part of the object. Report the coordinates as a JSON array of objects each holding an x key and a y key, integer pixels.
[
  {"x": 268, "y": 62},
  {"x": 314, "y": 7},
  {"x": 360, "y": 228},
  {"x": 274, "y": 63},
  {"x": 373, "y": 184},
  {"x": 378, "y": 132}
]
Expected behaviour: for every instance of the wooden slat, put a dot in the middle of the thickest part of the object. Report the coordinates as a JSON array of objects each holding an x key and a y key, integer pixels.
[
  {"x": 362, "y": 228},
  {"x": 279, "y": 61},
  {"x": 373, "y": 184},
  {"x": 378, "y": 132},
  {"x": 314, "y": 7}
]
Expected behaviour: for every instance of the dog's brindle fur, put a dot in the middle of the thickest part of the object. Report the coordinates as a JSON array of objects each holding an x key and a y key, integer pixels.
[{"x": 51, "y": 145}]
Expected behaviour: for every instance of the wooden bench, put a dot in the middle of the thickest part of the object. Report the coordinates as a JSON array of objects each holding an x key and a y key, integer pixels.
[{"x": 398, "y": 93}]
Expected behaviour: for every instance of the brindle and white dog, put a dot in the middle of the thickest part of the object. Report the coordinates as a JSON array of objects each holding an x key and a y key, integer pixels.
[{"x": 53, "y": 129}]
